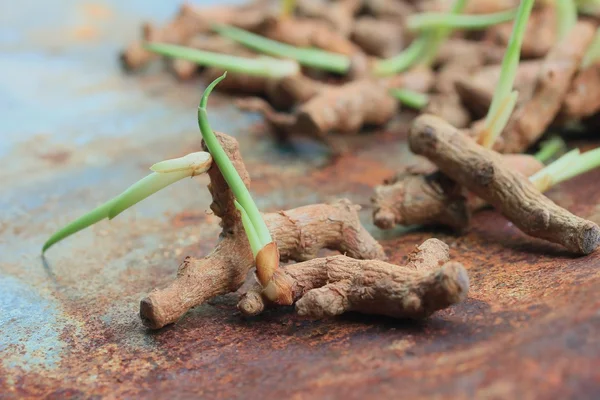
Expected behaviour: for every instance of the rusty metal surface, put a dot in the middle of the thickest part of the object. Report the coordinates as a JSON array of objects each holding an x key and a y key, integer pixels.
[{"x": 75, "y": 131}]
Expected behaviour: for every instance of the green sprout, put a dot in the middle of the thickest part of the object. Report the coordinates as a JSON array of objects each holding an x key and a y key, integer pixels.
[
  {"x": 254, "y": 225},
  {"x": 287, "y": 7},
  {"x": 309, "y": 57},
  {"x": 504, "y": 98},
  {"x": 404, "y": 60},
  {"x": 549, "y": 148},
  {"x": 437, "y": 36},
  {"x": 261, "y": 66},
  {"x": 566, "y": 167},
  {"x": 423, "y": 48},
  {"x": 410, "y": 98},
  {"x": 592, "y": 54},
  {"x": 427, "y": 21},
  {"x": 589, "y": 7},
  {"x": 165, "y": 173},
  {"x": 566, "y": 12}
]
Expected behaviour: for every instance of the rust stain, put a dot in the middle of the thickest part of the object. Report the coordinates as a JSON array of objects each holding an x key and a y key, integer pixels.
[
  {"x": 56, "y": 157},
  {"x": 97, "y": 11}
]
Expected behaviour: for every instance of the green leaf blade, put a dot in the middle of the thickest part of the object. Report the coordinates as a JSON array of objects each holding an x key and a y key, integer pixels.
[
  {"x": 314, "y": 58},
  {"x": 144, "y": 188},
  {"x": 262, "y": 66},
  {"x": 233, "y": 179},
  {"x": 96, "y": 215}
]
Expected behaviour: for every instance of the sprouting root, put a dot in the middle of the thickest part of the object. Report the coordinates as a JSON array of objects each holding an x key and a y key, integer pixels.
[
  {"x": 333, "y": 285},
  {"x": 300, "y": 233}
]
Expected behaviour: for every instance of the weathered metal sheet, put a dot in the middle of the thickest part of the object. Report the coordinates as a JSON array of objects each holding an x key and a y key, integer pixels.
[{"x": 75, "y": 131}]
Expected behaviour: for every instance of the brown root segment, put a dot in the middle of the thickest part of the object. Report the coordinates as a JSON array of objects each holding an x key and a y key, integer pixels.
[
  {"x": 347, "y": 108},
  {"x": 534, "y": 115},
  {"x": 389, "y": 9},
  {"x": 300, "y": 233},
  {"x": 303, "y": 32},
  {"x": 378, "y": 37},
  {"x": 424, "y": 196},
  {"x": 449, "y": 107},
  {"x": 540, "y": 33},
  {"x": 333, "y": 285},
  {"x": 481, "y": 171},
  {"x": 338, "y": 14},
  {"x": 188, "y": 23},
  {"x": 476, "y": 90},
  {"x": 583, "y": 98}
]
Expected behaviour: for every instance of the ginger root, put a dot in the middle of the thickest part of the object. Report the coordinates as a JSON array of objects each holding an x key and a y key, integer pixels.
[
  {"x": 538, "y": 110},
  {"x": 300, "y": 233},
  {"x": 424, "y": 196},
  {"x": 481, "y": 171},
  {"x": 333, "y": 285}
]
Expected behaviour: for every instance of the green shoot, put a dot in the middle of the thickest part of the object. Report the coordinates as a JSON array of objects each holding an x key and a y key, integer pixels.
[
  {"x": 551, "y": 174},
  {"x": 166, "y": 173},
  {"x": 593, "y": 53},
  {"x": 287, "y": 8},
  {"x": 504, "y": 100},
  {"x": 255, "y": 244},
  {"x": 428, "y": 21},
  {"x": 500, "y": 120},
  {"x": 262, "y": 66},
  {"x": 589, "y": 7},
  {"x": 260, "y": 232},
  {"x": 410, "y": 98},
  {"x": 549, "y": 148},
  {"x": 566, "y": 12},
  {"x": 89, "y": 219},
  {"x": 586, "y": 162},
  {"x": 439, "y": 35},
  {"x": 314, "y": 58},
  {"x": 402, "y": 61}
]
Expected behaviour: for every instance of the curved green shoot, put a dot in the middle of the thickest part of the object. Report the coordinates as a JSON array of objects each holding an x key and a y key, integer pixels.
[
  {"x": 438, "y": 36},
  {"x": 500, "y": 120},
  {"x": 549, "y": 148},
  {"x": 427, "y": 21},
  {"x": 314, "y": 58},
  {"x": 410, "y": 98},
  {"x": 172, "y": 171},
  {"x": 545, "y": 178},
  {"x": 566, "y": 16},
  {"x": 402, "y": 61},
  {"x": 262, "y": 66},
  {"x": 233, "y": 179},
  {"x": 593, "y": 53},
  {"x": 89, "y": 219},
  {"x": 255, "y": 244},
  {"x": 510, "y": 63},
  {"x": 586, "y": 162},
  {"x": 287, "y": 7},
  {"x": 144, "y": 188}
]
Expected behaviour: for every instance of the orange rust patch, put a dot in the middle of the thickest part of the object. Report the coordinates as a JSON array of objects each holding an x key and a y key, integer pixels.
[
  {"x": 97, "y": 11},
  {"x": 56, "y": 157},
  {"x": 85, "y": 32}
]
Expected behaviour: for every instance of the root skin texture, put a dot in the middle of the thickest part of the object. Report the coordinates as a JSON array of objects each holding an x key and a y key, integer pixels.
[
  {"x": 378, "y": 37},
  {"x": 425, "y": 196},
  {"x": 300, "y": 233},
  {"x": 534, "y": 115},
  {"x": 583, "y": 97},
  {"x": 188, "y": 23},
  {"x": 333, "y": 285},
  {"x": 302, "y": 32},
  {"x": 481, "y": 171}
]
